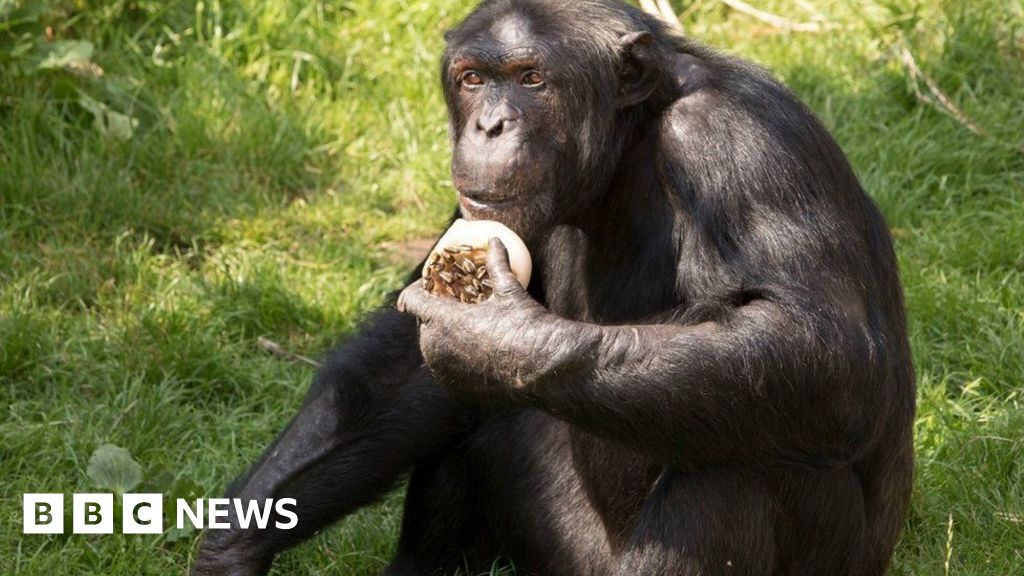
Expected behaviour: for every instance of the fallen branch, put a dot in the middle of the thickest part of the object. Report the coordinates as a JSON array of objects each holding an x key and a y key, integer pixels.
[
  {"x": 279, "y": 351},
  {"x": 662, "y": 9},
  {"x": 777, "y": 21},
  {"x": 650, "y": 6},
  {"x": 670, "y": 16},
  {"x": 937, "y": 97}
]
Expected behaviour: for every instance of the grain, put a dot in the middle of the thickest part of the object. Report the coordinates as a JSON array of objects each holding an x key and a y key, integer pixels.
[{"x": 460, "y": 272}]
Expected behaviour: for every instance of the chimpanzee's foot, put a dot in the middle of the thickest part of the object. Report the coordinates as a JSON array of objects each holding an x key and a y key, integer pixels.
[{"x": 226, "y": 553}]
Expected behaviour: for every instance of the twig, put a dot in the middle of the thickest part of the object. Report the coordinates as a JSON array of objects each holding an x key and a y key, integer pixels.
[
  {"x": 649, "y": 6},
  {"x": 807, "y": 6},
  {"x": 662, "y": 9},
  {"x": 123, "y": 413},
  {"x": 279, "y": 351},
  {"x": 777, "y": 21},
  {"x": 936, "y": 97},
  {"x": 949, "y": 543},
  {"x": 668, "y": 14}
]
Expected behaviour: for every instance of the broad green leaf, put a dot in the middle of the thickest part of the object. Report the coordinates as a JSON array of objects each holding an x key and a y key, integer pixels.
[
  {"x": 108, "y": 122},
  {"x": 120, "y": 126},
  {"x": 64, "y": 53},
  {"x": 113, "y": 468}
]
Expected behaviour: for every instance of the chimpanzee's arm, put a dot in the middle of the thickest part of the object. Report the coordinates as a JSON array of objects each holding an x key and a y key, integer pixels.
[
  {"x": 768, "y": 381},
  {"x": 762, "y": 384}
]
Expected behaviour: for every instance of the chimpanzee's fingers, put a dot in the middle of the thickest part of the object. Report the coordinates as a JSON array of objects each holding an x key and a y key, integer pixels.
[
  {"x": 500, "y": 270},
  {"x": 400, "y": 304},
  {"x": 416, "y": 301}
]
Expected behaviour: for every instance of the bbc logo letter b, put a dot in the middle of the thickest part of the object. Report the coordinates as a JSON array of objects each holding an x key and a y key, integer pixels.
[
  {"x": 43, "y": 514},
  {"x": 93, "y": 514}
]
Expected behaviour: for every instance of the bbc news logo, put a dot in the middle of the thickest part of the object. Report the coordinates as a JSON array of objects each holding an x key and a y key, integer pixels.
[{"x": 143, "y": 513}]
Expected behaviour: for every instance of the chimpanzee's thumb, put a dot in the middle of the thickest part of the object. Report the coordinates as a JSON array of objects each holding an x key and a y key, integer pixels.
[{"x": 505, "y": 281}]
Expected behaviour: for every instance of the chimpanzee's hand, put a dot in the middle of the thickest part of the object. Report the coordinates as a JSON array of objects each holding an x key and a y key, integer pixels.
[{"x": 483, "y": 349}]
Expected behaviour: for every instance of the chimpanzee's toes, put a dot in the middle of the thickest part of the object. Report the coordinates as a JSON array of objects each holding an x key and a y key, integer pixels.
[{"x": 228, "y": 554}]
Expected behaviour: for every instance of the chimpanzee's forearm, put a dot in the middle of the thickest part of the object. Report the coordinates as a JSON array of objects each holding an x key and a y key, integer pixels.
[{"x": 707, "y": 393}]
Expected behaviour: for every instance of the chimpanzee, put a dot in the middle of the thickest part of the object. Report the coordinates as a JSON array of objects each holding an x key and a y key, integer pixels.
[{"x": 709, "y": 373}]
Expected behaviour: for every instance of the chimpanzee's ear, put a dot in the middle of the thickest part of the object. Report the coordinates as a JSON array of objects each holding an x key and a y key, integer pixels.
[{"x": 639, "y": 72}]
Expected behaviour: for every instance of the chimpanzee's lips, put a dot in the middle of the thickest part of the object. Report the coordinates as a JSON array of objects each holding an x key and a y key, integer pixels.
[{"x": 482, "y": 201}]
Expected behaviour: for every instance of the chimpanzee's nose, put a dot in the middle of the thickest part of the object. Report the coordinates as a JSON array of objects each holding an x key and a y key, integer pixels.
[{"x": 494, "y": 121}]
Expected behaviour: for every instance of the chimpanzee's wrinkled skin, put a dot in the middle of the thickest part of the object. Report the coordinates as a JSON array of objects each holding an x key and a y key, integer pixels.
[{"x": 708, "y": 375}]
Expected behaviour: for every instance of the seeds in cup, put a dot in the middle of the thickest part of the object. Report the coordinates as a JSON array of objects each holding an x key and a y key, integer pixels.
[{"x": 457, "y": 267}]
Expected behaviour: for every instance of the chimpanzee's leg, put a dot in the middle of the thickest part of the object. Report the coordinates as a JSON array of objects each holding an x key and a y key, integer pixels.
[
  {"x": 372, "y": 414},
  {"x": 442, "y": 528},
  {"x": 710, "y": 523},
  {"x": 507, "y": 490}
]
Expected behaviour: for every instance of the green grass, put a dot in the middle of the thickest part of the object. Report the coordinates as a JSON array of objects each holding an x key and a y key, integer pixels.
[{"x": 278, "y": 151}]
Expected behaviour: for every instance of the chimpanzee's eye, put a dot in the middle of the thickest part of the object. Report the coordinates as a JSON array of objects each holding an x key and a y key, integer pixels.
[
  {"x": 472, "y": 79},
  {"x": 533, "y": 78}
]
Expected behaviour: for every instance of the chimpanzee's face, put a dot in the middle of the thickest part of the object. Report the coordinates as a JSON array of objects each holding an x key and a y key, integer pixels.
[{"x": 515, "y": 135}]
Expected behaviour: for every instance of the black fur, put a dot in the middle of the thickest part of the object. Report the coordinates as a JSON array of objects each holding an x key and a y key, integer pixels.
[{"x": 709, "y": 375}]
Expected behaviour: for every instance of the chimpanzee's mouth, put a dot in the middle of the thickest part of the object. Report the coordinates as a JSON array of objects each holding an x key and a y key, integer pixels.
[{"x": 484, "y": 201}]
